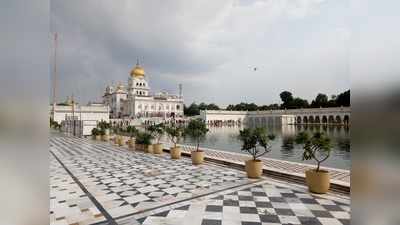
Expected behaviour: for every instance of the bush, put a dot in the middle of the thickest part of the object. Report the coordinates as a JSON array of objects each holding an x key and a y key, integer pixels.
[{"x": 256, "y": 141}]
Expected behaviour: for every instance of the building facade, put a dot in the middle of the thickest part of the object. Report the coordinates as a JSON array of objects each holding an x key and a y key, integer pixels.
[
  {"x": 336, "y": 115},
  {"x": 136, "y": 100}
]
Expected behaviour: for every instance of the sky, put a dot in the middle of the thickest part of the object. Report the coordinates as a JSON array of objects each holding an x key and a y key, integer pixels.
[{"x": 210, "y": 47}]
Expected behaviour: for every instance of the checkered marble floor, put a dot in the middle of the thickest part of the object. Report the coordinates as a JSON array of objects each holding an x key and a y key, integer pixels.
[
  {"x": 68, "y": 203},
  {"x": 140, "y": 188},
  {"x": 258, "y": 204}
]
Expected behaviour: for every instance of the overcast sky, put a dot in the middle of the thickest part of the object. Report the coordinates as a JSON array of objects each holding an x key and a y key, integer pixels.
[{"x": 209, "y": 46}]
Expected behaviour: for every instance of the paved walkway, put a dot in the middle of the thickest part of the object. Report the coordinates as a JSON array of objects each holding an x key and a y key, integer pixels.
[{"x": 97, "y": 183}]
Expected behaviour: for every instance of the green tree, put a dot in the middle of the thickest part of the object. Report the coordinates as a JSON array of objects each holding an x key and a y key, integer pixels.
[
  {"x": 157, "y": 131},
  {"x": 298, "y": 103},
  {"x": 320, "y": 101},
  {"x": 317, "y": 147},
  {"x": 212, "y": 106},
  {"x": 174, "y": 133},
  {"x": 255, "y": 141},
  {"x": 197, "y": 130},
  {"x": 132, "y": 131},
  {"x": 343, "y": 99},
  {"x": 192, "y": 110},
  {"x": 202, "y": 106},
  {"x": 286, "y": 98}
]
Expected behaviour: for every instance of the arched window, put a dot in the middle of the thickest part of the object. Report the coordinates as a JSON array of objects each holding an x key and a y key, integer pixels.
[{"x": 178, "y": 107}]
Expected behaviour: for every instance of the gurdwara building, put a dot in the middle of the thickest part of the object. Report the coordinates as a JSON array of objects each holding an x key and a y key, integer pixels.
[{"x": 136, "y": 100}]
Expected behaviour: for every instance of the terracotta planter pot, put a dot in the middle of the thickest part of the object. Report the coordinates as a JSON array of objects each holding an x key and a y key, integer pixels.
[
  {"x": 98, "y": 137},
  {"x": 139, "y": 147},
  {"x": 120, "y": 141},
  {"x": 148, "y": 148},
  {"x": 254, "y": 168},
  {"x": 105, "y": 137},
  {"x": 318, "y": 182},
  {"x": 175, "y": 152},
  {"x": 115, "y": 140},
  {"x": 157, "y": 148},
  {"x": 197, "y": 157},
  {"x": 131, "y": 144},
  {"x": 93, "y": 137}
]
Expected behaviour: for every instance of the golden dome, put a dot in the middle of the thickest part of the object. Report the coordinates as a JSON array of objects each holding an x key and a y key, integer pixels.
[{"x": 138, "y": 71}]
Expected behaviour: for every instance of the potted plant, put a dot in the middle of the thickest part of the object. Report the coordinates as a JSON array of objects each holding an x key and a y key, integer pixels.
[
  {"x": 105, "y": 128},
  {"x": 96, "y": 134},
  {"x": 255, "y": 141},
  {"x": 120, "y": 140},
  {"x": 102, "y": 134},
  {"x": 157, "y": 131},
  {"x": 197, "y": 130},
  {"x": 174, "y": 133},
  {"x": 143, "y": 141},
  {"x": 318, "y": 147},
  {"x": 116, "y": 136},
  {"x": 132, "y": 131}
]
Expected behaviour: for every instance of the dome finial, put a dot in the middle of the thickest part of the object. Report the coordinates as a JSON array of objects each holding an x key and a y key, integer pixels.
[{"x": 138, "y": 71}]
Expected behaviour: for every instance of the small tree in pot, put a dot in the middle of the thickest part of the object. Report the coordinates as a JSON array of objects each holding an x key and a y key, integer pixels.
[
  {"x": 143, "y": 141},
  {"x": 105, "y": 127},
  {"x": 157, "y": 131},
  {"x": 197, "y": 130},
  {"x": 132, "y": 131},
  {"x": 255, "y": 142},
  {"x": 318, "y": 147},
  {"x": 174, "y": 134},
  {"x": 96, "y": 134}
]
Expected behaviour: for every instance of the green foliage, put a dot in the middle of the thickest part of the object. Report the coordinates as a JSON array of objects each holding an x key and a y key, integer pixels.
[
  {"x": 286, "y": 98},
  {"x": 54, "y": 124},
  {"x": 320, "y": 101},
  {"x": 197, "y": 130},
  {"x": 132, "y": 131},
  {"x": 194, "y": 109},
  {"x": 174, "y": 133},
  {"x": 102, "y": 132},
  {"x": 143, "y": 138},
  {"x": 157, "y": 131},
  {"x": 243, "y": 107},
  {"x": 289, "y": 102},
  {"x": 255, "y": 141},
  {"x": 95, "y": 131},
  {"x": 103, "y": 125},
  {"x": 317, "y": 146},
  {"x": 343, "y": 99}
]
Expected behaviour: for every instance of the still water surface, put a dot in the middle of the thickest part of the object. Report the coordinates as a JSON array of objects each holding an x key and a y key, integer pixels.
[{"x": 283, "y": 147}]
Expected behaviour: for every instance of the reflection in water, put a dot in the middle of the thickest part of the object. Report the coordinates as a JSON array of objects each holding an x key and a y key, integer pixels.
[{"x": 284, "y": 147}]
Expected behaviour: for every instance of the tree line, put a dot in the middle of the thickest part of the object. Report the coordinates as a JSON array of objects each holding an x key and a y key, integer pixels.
[{"x": 288, "y": 102}]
